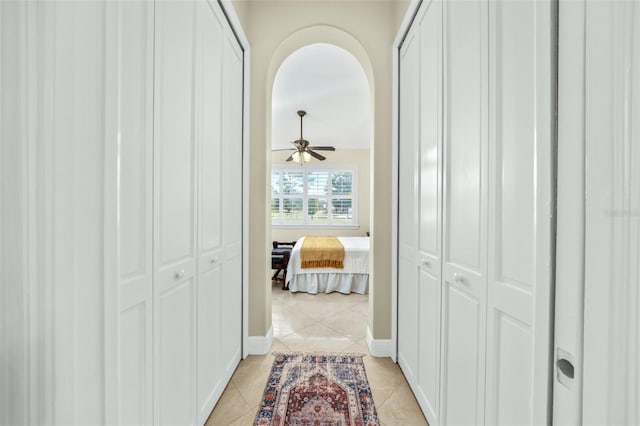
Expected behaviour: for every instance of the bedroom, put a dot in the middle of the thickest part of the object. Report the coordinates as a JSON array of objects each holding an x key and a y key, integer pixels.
[
  {"x": 321, "y": 195},
  {"x": 327, "y": 194}
]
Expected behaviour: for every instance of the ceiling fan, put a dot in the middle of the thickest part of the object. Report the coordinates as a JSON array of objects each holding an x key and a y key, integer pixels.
[{"x": 304, "y": 152}]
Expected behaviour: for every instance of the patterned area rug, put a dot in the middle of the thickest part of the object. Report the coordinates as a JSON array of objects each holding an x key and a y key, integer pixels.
[{"x": 317, "y": 390}]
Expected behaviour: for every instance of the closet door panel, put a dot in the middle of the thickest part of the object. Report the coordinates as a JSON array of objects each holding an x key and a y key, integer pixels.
[
  {"x": 134, "y": 376},
  {"x": 232, "y": 207},
  {"x": 174, "y": 132},
  {"x": 513, "y": 140},
  {"x": 209, "y": 125},
  {"x": 519, "y": 273},
  {"x": 175, "y": 214},
  {"x": 465, "y": 217},
  {"x": 428, "y": 379},
  {"x": 430, "y": 163},
  {"x": 407, "y": 319},
  {"x": 210, "y": 369},
  {"x": 208, "y": 119},
  {"x": 409, "y": 133},
  {"x": 232, "y": 141},
  {"x": 231, "y": 324},
  {"x": 135, "y": 88},
  {"x": 509, "y": 368},
  {"x": 429, "y": 171},
  {"x": 407, "y": 209},
  {"x": 466, "y": 141},
  {"x": 463, "y": 366},
  {"x": 135, "y": 226},
  {"x": 174, "y": 357}
]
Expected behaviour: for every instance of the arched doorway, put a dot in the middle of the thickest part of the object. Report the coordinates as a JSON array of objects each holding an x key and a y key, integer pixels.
[{"x": 326, "y": 72}]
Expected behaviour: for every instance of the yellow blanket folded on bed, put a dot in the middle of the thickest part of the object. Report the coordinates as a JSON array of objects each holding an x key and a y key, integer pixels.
[{"x": 322, "y": 252}]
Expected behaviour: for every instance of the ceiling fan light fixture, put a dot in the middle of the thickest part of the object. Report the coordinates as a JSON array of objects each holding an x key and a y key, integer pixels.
[
  {"x": 303, "y": 152},
  {"x": 299, "y": 157}
]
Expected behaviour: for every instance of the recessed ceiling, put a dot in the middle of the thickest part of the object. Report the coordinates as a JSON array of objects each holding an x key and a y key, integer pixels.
[{"x": 330, "y": 85}]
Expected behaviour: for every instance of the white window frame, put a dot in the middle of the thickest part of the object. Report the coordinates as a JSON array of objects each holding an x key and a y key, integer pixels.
[{"x": 306, "y": 169}]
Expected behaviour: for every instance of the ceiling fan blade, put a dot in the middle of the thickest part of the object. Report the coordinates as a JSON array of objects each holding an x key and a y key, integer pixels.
[
  {"x": 290, "y": 158},
  {"x": 323, "y": 148},
  {"x": 283, "y": 149},
  {"x": 316, "y": 155}
]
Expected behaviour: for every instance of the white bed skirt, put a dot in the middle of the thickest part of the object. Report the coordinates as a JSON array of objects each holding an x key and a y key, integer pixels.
[{"x": 315, "y": 283}]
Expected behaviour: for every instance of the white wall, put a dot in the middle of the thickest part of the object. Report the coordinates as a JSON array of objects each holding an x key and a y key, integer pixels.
[{"x": 357, "y": 157}]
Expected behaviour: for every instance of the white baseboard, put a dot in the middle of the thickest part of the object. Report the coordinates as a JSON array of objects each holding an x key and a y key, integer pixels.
[
  {"x": 260, "y": 345},
  {"x": 379, "y": 347}
]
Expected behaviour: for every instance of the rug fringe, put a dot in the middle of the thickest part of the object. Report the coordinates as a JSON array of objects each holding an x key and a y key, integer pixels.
[{"x": 358, "y": 354}]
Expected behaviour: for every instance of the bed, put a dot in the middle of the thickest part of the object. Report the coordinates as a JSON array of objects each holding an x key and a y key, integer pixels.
[{"x": 353, "y": 277}]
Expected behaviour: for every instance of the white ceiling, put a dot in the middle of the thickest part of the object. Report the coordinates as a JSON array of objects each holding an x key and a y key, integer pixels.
[{"x": 330, "y": 85}]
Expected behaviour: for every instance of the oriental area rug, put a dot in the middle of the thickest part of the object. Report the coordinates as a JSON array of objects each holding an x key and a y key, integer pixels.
[{"x": 317, "y": 390}]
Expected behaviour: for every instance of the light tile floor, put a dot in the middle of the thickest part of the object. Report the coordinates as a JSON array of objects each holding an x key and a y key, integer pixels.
[{"x": 328, "y": 323}]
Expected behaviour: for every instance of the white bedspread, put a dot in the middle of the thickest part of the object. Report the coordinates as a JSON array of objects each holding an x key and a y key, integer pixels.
[{"x": 354, "y": 277}]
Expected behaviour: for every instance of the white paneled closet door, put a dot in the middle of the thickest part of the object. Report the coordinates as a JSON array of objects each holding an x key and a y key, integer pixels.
[
  {"x": 521, "y": 209},
  {"x": 464, "y": 212},
  {"x": 175, "y": 211},
  {"x": 121, "y": 145},
  {"x": 407, "y": 207},
  {"x": 208, "y": 120},
  {"x": 482, "y": 191},
  {"x": 429, "y": 208},
  {"x": 231, "y": 302},
  {"x": 611, "y": 368},
  {"x": 135, "y": 227},
  {"x": 419, "y": 265}
]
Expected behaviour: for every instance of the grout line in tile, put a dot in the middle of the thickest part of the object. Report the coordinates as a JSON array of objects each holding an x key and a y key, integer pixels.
[{"x": 379, "y": 405}]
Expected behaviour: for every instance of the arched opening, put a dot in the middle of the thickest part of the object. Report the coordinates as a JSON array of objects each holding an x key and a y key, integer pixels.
[{"x": 325, "y": 72}]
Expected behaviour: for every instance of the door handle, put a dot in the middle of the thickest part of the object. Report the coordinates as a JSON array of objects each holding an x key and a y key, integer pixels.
[
  {"x": 565, "y": 369},
  {"x": 180, "y": 274},
  {"x": 458, "y": 278},
  {"x": 426, "y": 264}
]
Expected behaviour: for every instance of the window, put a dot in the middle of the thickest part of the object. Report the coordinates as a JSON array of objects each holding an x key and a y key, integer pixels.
[{"x": 313, "y": 196}]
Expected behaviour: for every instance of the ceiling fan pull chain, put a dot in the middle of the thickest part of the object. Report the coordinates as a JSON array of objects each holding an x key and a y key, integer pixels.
[{"x": 301, "y": 114}]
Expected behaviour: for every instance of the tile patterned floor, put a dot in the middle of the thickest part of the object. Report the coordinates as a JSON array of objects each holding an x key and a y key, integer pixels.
[{"x": 324, "y": 322}]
